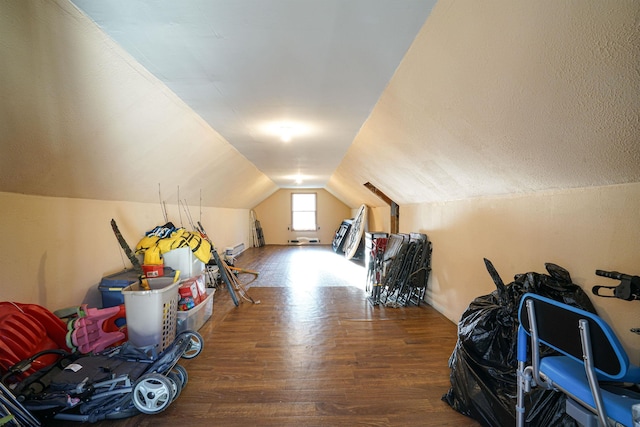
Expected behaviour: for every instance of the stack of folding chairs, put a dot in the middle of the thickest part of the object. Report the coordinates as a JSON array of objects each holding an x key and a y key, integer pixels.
[{"x": 407, "y": 261}]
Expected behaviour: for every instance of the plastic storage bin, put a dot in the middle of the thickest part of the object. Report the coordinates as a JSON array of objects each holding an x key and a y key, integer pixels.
[
  {"x": 193, "y": 319},
  {"x": 184, "y": 260},
  {"x": 111, "y": 286},
  {"x": 151, "y": 315}
]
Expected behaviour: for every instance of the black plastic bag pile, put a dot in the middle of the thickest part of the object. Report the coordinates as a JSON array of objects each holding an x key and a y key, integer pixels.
[{"x": 484, "y": 364}]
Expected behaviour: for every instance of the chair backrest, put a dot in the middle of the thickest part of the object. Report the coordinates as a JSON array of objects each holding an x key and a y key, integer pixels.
[{"x": 557, "y": 327}]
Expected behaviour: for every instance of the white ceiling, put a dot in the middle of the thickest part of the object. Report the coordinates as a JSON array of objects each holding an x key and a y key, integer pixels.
[
  {"x": 251, "y": 67},
  {"x": 491, "y": 99}
]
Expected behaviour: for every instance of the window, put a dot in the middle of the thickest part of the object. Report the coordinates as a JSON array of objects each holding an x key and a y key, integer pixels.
[{"x": 303, "y": 211}]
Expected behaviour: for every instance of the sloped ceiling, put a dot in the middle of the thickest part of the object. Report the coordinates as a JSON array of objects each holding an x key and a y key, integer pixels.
[
  {"x": 80, "y": 119},
  {"x": 493, "y": 98},
  {"x": 253, "y": 68},
  {"x": 505, "y": 97}
]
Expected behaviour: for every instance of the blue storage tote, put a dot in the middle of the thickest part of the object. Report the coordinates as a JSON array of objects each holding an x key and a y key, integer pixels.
[{"x": 111, "y": 287}]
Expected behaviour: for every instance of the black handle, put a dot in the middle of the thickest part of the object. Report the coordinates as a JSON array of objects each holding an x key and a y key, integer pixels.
[
  {"x": 613, "y": 275},
  {"x": 628, "y": 289},
  {"x": 596, "y": 291}
]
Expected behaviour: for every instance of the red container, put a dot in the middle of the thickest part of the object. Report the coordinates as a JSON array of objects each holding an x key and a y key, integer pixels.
[
  {"x": 189, "y": 289},
  {"x": 201, "y": 286},
  {"x": 153, "y": 270}
]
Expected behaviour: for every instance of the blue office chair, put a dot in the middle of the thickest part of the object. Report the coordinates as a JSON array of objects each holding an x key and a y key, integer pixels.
[{"x": 590, "y": 356}]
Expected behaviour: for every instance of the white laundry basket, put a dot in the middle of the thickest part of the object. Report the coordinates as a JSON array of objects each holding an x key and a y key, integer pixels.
[{"x": 151, "y": 315}]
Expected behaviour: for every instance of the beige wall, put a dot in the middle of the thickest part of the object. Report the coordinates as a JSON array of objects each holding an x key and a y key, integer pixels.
[
  {"x": 504, "y": 97},
  {"x": 274, "y": 215},
  {"x": 380, "y": 219},
  {"x": 581, "y": 230},
  {"x": 54, "y": 251}
]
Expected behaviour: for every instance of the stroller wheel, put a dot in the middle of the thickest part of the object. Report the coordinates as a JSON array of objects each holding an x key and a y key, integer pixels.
[
  {"x": 195, "y": 345},
  {"x": 176, "y": 384},
  {"x": 152, "y": 393},
  {"x": 181, "y": 372}
]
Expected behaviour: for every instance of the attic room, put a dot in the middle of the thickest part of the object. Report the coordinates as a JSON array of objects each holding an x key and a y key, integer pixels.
[{"x": 505, "y": 131}]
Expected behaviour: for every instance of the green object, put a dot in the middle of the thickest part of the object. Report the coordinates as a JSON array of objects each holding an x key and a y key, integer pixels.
[{"x": 5, "y": 420}]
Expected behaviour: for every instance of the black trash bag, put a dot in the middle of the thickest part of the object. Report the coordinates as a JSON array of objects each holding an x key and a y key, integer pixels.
[{"x": 484, "y": 363}]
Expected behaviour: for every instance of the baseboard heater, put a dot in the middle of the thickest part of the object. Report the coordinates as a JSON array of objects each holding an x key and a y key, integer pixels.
[
  {"x": 304, "y": 240},
  {"x": 234, "y": 251}
]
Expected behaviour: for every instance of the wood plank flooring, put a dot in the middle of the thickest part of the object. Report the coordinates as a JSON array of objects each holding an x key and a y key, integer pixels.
[{"x": 314, "y": 352}]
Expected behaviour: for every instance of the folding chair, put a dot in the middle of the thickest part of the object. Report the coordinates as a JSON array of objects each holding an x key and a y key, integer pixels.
[{"x": 590, "y": 354}]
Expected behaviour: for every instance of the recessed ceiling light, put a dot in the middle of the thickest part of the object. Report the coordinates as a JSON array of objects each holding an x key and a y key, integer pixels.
[{"x": 286, "y": 131}]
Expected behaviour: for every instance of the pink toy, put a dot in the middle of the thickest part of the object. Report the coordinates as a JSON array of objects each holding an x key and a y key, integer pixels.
[{"x": 89, "y": 333}]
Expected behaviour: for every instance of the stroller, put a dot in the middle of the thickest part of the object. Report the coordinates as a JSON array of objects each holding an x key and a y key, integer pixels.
[{"x": 117, "y": 383}]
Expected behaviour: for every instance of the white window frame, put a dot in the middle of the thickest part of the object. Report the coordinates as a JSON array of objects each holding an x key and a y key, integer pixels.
[{"x": 294, "y": 222}]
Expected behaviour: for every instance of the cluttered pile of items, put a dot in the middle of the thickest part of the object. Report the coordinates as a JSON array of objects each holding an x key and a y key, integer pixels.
[
  {"x": 176, "y": 260},
  {"x": 88, "y": 364},
  {"x": 534, "y": 352}
]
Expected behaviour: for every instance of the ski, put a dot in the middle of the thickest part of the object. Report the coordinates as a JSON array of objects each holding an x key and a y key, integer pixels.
[
  {"x": 256, "y": 229},
  {"x": 125, "y": 246},
  {"x": 222, "y": 269},
  {"x": 132, "y": 257}
]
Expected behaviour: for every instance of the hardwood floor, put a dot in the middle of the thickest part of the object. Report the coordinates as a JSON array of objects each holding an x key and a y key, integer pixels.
[{"x": 314, "y": 352}]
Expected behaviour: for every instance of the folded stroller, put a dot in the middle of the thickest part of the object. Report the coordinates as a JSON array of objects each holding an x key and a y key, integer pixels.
[{"x": 113, "y": 384}]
